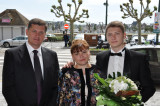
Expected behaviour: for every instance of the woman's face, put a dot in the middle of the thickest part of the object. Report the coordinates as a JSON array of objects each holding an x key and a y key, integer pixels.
[{"x": 81, "y": 58}]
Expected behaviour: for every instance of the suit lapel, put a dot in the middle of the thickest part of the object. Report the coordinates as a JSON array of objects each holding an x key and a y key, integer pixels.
[
  {"x": 127, "y": 64},
  {"x": 26, "y": 63},
  {"x": 107, "y": 60},
  {"x": 105, "y": 64},
  {"x": 24, "y": 55},
  {"x": 45, "y": 63}
]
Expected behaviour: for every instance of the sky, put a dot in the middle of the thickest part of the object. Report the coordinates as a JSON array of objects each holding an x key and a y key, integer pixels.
[{"x": 97, "y": 11}]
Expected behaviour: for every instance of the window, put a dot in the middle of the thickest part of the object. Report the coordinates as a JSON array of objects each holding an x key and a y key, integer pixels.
[
  {"x": 158, "y": 55},
  {"x": 152, "y": 55},
  {"x": 141, "y": 51}
]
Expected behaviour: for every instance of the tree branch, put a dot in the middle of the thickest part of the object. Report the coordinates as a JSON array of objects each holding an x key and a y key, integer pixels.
[
  {"x": 62, "y": 10},
  {"x": 76, "y": 11}
]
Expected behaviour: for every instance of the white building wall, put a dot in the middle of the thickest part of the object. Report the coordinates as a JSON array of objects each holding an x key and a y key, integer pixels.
[
  {"x": 7, "y": 33},
  {"x": 0, "y": 33},
  {"x": 16, "y": 31}
]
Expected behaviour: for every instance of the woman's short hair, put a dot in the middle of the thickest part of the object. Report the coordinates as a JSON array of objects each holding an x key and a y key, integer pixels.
[{"x": 79, "y": 45}]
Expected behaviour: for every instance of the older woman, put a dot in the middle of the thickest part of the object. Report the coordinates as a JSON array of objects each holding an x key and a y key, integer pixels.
[{"x": 77, "y": 83}]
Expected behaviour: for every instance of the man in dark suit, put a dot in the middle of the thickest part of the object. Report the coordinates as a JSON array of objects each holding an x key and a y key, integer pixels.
[
  {"x": 31, "y": 78},
  {"x": 119, "y": 59},
  {"x": 66, "y": 38}
]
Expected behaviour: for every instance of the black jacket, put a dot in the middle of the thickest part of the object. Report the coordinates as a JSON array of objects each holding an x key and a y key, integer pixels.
[
  {"x": 136, "y": 67},
  {"x": 19, "y": 82}
]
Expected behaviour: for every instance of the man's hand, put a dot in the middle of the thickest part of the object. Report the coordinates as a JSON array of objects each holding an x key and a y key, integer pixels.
[{"x": 68, "y": 65}]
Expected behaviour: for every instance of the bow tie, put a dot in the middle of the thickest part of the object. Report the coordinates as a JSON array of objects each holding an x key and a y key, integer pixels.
[{"x": 116, "y": 54}]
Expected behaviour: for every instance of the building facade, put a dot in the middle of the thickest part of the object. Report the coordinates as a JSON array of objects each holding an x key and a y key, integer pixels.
[{"x": 12, "y": 23}]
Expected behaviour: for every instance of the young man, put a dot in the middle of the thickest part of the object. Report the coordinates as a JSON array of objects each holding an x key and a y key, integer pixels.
[
  {"x": 120, "y": 59},
  {"x": 30, "y": 71}
]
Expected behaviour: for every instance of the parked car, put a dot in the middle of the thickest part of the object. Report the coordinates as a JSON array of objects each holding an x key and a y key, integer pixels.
[
  {"x": 134, "y": 40},
  {"x": 16, "y": 41},
  {"x": 102, "y": 44},
  {"x": 126, "y": 40},
  {"x": 153, "y": 53},
  {"x": 151, "y": 38},
  {"x": 101, "y": 37},
  {"x": 48, "y": 37}
]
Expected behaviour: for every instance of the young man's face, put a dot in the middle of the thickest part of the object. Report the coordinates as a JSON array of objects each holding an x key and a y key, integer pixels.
[
  {"x": 36, "y": 35},
  {"x": 115, "y": 37}
]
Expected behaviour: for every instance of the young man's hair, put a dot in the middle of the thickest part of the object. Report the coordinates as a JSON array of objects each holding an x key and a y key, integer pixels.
[
  {"x": 37, "y": 21},
  {"x": 116, "y": 24}
]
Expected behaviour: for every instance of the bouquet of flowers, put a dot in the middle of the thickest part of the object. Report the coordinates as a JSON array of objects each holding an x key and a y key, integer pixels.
[{"x": 117, "y": 91}]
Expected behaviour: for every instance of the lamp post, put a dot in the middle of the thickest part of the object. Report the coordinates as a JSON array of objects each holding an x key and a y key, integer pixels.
[
  {"x": 157, "y": 35},
  {"x": 106, "y": 4}
]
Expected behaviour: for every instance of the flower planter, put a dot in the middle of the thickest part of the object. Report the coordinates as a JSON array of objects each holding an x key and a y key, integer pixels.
[{"x": 94, "y": 52}]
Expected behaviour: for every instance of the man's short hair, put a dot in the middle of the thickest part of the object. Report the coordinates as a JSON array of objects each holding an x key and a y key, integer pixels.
[
  {"x": 116, "y": 24},
  {"x": 38, "y": 22}
]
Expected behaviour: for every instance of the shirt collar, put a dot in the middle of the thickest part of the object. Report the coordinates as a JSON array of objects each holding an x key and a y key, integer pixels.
[
  {"x": 122, "y": 50},
  {"x": 30, "y": 49}
]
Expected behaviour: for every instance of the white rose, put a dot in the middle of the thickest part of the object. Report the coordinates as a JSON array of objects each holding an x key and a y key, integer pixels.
[{"x": 116, "y": 86}]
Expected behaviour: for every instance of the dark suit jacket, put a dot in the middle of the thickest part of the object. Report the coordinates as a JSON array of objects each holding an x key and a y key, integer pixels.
[
  {"x": 136, "y": 67},
  {"x": 19, "y": 82}
]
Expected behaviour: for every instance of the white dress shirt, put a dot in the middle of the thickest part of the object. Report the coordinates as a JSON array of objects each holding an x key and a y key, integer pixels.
[
  {"x": 30, "y": 51},
  {"x": 116, "y": 63},
  {"x": 86, "y": 88}
]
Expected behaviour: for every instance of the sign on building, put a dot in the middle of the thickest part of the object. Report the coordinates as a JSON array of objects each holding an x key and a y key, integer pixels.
[
  {"x": 156, "y": 26},
  {"x": 6, "y": 20}
]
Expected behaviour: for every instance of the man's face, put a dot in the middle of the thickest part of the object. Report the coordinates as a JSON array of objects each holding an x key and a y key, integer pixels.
[
  {"x": 115, "y": 37},
  {"x": 35, "y": 35}
]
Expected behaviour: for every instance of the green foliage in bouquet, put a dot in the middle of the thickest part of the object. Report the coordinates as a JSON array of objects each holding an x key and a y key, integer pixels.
[{"x": 120, "y": 91}]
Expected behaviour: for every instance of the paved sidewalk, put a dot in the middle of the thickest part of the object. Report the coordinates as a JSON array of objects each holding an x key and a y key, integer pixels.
[
  {"x": 154, "y": 101},
  {"x": 2, "y": 100}
]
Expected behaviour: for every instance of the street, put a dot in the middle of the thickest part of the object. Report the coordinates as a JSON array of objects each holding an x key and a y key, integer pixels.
[{"x": 63, "y": 57}]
